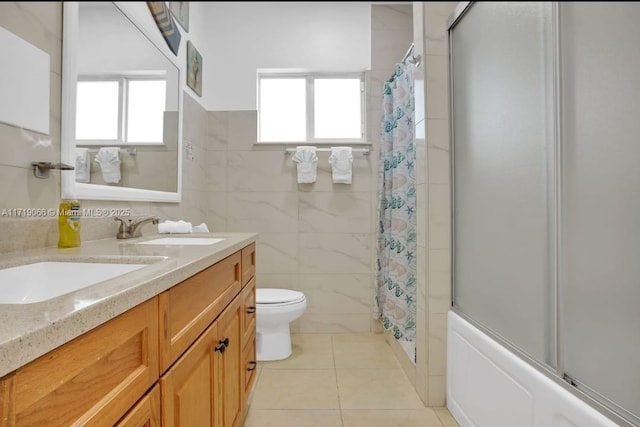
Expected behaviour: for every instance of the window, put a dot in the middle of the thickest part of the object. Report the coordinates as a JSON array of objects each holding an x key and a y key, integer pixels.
[
  {"x": 311, "y": 107},
  {"x": 120, "y": 110}
]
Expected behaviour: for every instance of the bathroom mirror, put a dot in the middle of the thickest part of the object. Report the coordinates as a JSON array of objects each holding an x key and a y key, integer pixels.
[{"x": 121, "y": 101}]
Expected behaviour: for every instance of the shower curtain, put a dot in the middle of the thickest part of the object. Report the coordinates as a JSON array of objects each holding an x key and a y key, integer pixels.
[{"x": 396, "y": 237}]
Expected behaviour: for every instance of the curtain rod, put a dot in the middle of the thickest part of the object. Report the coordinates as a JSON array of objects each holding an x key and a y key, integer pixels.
[{"x": 409, "y": 56}]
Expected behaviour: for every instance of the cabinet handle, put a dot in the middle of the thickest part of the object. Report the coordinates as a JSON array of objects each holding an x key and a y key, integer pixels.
[
  {"x": 252, "y": 366},
  {"x": 222, "y": 345},
  {"x": 251, "y": 310}
]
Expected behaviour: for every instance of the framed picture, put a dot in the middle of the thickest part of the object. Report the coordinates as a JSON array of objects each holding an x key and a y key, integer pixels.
[
  {"x": 167, "y": 27},
  {"x": 194, "y": 68},
  {"x": 180, "y": 10}
]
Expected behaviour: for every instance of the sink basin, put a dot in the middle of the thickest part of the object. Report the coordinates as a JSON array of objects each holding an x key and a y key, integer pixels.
[
  {"x": 182, "y": 241},
  {"x": 41, "y": 281}
]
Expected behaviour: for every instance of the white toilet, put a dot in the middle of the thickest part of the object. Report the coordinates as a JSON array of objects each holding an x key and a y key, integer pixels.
[{"x": 275, "y": 309}]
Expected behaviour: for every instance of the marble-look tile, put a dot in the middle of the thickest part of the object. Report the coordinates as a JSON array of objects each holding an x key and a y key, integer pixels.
[
  {"x": 277, "y": 253},
  {"x": 437, "y": 390},
  {"x": 389, "y": 46},
  {"x": 296, "y": 389},
  {"x": 261, "y": 171},
  {"x": 364, "y": 355},
  {"x": 194, "y": 207},
  {"x": 391, "y": 17},
  {"x": 297, "y": 418},
  {"x": 435, "y": 27},
  {"x": 332, "y": 253},
  {"x": 26, "y": 190},
  {"x": 439, "y": 280},
  {"x": 216, "y": 171},
  {"x": 437, "y": 86},
  {"x": 437, "y": 344},
  {"x": 376, "y": 389},
  {"x": 334, "y": 323},
  {"x": 217, "y": 210},
  {"x": 439, "y": 216},
  {"x": 438, "y": 166},
  {"x": 278, "y": 211},
  {"x": 445, "y": 417},
  {"x": 39, "y": 23},
  {"x": 336, "y": 293},
  {"x": 438, "y": 134},
  {"x": 243, "y": 130},
  {"x": 217, "y": 130},
  {"x": 309, "y": 351},
  {"x": 424, "y": 417},
  {"x": 284, "y": 281},
  {"x": 324, "y": 212}
]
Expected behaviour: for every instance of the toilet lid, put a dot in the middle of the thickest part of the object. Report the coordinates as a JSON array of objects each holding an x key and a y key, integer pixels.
[{"x": 277, "y": 296}]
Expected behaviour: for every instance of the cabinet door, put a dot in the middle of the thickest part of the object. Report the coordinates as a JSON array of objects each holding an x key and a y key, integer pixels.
[
  {"x": 229, "y": 365},
  {"x": 146, "y": 413},
  {"x": 93, "y": 380},
  {"x": 188, "y": 389},
  {"x": 248, "y": 298},
  {"x": 248, "y": 263}
]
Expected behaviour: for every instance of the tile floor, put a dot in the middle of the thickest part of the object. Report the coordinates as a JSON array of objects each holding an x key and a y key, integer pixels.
[{"x": 341, "y": 380}]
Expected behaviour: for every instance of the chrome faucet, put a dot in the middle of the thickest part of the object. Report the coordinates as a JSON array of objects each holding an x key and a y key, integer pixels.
[{"x": 133, "y": 228}]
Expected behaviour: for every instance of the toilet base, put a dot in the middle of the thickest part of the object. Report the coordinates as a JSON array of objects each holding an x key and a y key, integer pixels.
[{"x": 273, "y": 343}]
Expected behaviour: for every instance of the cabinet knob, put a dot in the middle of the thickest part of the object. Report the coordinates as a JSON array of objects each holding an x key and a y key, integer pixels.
[
  {"x": 252, "y": 366},
  {"x": 222, "y": 345},
  {"x": 251, "y": 310}
]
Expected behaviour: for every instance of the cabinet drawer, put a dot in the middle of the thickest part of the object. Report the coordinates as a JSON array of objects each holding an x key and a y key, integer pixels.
[
  {"x": 93, "y": 380},
  {"x": 146, "y": 413},
  {"x": 250, "y": 365},
  {"x": 249, "y": 310},
  {"x": 248, "y": 263},
  {"x": 188, "y": 308}
]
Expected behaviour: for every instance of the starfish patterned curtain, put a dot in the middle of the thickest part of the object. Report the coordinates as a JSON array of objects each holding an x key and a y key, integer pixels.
[{"x": 396, "y": 236}]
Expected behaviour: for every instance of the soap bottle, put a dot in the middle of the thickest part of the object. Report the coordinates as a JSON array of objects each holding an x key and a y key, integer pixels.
[{"x": 69, "y": 224}]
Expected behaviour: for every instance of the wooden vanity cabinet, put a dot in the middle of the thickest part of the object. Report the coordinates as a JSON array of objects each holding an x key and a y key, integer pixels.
[
  {"x": 180, "y": 359},
  {"x": 93, "y": 380}
]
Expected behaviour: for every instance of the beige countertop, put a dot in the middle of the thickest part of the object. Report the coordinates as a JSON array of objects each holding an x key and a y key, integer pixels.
[{"x": 28, "y": 331}]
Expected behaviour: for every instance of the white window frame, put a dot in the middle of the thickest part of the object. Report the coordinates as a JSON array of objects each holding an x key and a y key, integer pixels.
[
  {"x": 310, "y": 119},
  {"x": 123, "y": 102}
]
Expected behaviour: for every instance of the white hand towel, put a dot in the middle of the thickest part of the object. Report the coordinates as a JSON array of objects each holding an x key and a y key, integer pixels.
[
  {"x": 109, "y": 160},
  {"x": 83, "y": 165},
  {"x": 307, "y": 161},
  {"x": 202, "y": 228},
  {"x": 341, "y": 161},
  {"x": 172, "y": 227}
]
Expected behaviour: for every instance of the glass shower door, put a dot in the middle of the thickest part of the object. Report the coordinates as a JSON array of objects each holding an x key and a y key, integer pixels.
[
  {"x": 504, "y": 186},
  {"x": 599, "y": 301}
]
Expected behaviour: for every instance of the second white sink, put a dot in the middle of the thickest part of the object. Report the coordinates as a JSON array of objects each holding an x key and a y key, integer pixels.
[{"x": 183, "y": 241}]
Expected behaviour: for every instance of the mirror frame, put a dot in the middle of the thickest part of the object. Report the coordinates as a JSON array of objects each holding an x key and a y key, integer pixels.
[{"x": 83, "y": 191}]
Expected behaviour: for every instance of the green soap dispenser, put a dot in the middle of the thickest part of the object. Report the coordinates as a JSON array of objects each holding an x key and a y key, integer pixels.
[{"x": 69, "y": 224}]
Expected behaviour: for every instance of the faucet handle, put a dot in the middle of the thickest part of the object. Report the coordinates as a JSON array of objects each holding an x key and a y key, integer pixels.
[{"x": 123, "y": 231}]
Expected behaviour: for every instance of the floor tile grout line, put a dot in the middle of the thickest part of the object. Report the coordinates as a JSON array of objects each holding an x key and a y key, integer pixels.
[{"x": 335, "y": 371}]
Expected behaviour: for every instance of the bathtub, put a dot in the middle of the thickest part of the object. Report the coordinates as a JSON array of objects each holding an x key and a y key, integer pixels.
[{"x": 488, "y": 386}]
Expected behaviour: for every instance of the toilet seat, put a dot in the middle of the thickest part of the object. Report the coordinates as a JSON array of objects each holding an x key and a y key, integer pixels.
[{"x": 281, "y": 297}]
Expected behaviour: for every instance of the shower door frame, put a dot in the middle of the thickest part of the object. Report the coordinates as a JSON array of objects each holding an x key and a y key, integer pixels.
[{"x": 557, "y": 374}]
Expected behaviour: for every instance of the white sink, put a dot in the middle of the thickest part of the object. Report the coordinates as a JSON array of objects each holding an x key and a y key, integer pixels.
[
  {"x": 183, "y": 241},
  {"x": 41, "y": 281}
]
